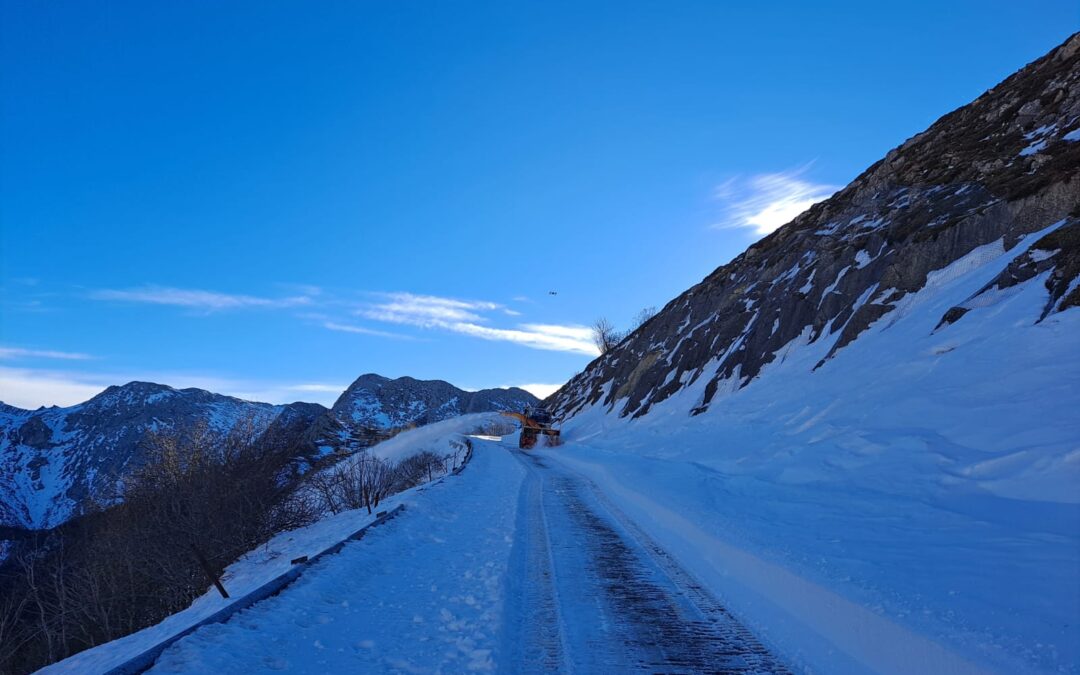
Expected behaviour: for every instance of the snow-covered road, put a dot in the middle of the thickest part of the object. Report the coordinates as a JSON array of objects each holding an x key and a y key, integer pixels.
[
  {"x": 516, "y": 565},
  {"x": 597, "y": 595}
]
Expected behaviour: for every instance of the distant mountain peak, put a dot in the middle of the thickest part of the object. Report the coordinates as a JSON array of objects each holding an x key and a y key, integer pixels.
[{"x": 374, "y": 407}]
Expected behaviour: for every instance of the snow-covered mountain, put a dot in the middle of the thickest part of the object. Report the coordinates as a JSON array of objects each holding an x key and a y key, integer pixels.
[
  {"x": 374, "y": 407},
  {"x": 52, "y": 460}
]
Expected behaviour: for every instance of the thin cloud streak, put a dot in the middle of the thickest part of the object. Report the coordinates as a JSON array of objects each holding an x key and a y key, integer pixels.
[
  {"x": 210, "y": 301},
  {"x": 361, "y": 330},
  {"x": 576, "y": 339},
  {"x": 766, "y": 202},
  {"x": 465, "y": 317},
  {"x": 427, "y": 310},
  {"x": 18, "y": 353}
]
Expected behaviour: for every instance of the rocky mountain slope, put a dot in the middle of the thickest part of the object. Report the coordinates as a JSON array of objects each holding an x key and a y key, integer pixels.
[
  {"x": 52, "y": 460},
  {"x": 972, "y": 187},
  {"x": 878, "y": 401},
  {"x": 374, "y": 407}
]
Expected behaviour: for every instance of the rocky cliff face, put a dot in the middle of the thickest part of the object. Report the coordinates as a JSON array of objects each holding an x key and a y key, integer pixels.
[
  {"x": 982, "y": 179},
  {"x": 374, "y": 407},
  {"x": 53, "y": 460}
]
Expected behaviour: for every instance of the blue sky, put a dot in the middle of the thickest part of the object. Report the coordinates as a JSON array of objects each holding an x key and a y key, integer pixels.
[{"x": 269, "y": 199}]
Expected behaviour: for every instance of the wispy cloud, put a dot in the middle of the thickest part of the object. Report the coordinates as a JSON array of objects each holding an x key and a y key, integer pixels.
[
  {"x": 18, "y": 353},
  {"x": 362, "y": 330},
  {"x": 467, "y": 317},
  {"x": 426, "y": 310},
  {"x": 577, "y": 339},
  {"x": 210, "y": 301},
  {"x": 765, "y": 202}
]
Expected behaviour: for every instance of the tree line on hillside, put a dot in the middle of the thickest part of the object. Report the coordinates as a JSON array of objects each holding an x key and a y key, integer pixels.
[{"x": 197, "y": 495}]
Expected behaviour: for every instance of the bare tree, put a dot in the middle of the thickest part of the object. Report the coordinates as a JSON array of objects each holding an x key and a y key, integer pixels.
[
  {"x": 644, "y": 315},
  {"x": 605, "y": 336},
  {"x": 378, "y": 481}
]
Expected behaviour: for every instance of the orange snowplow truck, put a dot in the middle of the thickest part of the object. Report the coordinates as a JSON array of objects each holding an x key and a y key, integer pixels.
[{"x": 535, "y": 422}]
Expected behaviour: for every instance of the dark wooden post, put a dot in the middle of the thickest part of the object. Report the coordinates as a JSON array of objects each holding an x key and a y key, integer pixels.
[{"x": 209, "y": 573}]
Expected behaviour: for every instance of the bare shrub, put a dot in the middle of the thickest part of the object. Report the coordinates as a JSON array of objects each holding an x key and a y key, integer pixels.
[
  {"x": 642, "y": 316},
  {"x": 417, "y": 469},
  {"x": 361, "y": 481},
  {"x": 605, "y": 336}
]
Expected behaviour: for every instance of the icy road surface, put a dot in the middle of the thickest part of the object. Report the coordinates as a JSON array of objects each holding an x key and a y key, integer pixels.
[{"x": 514, "y": 566}]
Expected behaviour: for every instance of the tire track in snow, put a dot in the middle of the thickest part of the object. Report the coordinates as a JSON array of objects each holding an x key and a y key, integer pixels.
[
  {"x": 537, "y": 636},
  {"x": 624, "y": 604}
]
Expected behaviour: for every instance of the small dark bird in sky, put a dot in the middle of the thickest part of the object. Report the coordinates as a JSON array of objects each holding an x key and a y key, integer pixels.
[{"x": 553, "y": 292}]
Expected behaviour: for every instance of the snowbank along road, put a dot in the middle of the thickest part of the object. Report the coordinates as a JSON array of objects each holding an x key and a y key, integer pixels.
[{"x": 516, "y": 565}]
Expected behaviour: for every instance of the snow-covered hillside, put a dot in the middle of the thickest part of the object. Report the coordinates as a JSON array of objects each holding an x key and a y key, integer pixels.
[
  {"x": 864, "y": 430},
  {"x": 936, "y": 486},
  {"x": 53, "y": 460}
]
